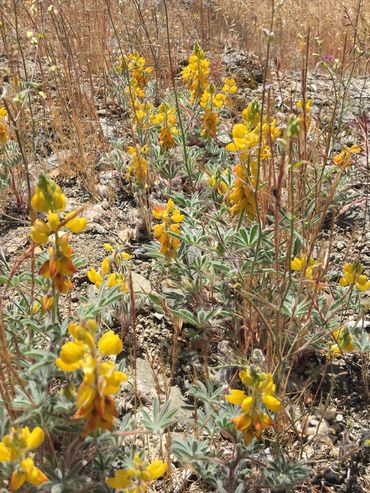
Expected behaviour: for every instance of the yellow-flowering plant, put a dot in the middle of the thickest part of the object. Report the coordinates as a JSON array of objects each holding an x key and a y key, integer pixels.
[
  {"x": 170, "y": 223},
  {"x": 15, "y": 448},
  {"x": 101, "y": 380},
  {"x": 256, "y": 405}
]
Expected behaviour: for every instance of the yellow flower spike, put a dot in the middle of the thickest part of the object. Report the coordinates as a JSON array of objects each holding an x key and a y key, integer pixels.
[
  {"x": 110, "y": 344},
  {"x": 40, "y": 232},
  {"x": 236, "y": 396}
]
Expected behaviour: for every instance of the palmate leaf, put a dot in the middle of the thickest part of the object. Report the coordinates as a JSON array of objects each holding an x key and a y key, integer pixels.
[{"x": 161, "y": 419}]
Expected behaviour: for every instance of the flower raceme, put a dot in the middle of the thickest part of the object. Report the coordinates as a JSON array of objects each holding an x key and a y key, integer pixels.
[
  {"x": 49, "y": 199},
  {"x": 195, "y": 74},
  {"x": 255, "y": 406},
  {"x": 110, "y": 270},
  {"x": 14, "y": 448},
  {"x": 137, "y": 478},
  {"x": 139, "y": 165},
  {"x": 135, "y": 68},
  {"x": 246, "y": 144},
  {"x": 353, "y": 276},
  {"x": 166, "y": 118},
  {"x": 101, "y": 380},
  {"x": 171, "y": 219}
]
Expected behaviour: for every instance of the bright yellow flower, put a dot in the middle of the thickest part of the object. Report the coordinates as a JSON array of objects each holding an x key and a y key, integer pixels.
[
  {"x": 110, "y": 344},
  {"x": 344, "y": 341},
  {"x": 40, "y": 232},
  {"x": 137, "y": 478},
  {"x": 95, "y": 277},
  {"x": 48, "y": 196},
  {"x": 195, "y": 74},
  {"x": 77, "y": 224}
]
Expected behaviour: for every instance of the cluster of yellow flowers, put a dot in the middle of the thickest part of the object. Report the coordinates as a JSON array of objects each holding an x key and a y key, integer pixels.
[
  {"x": 4, "y": 129},
  {"x": 137, "y": 478},
  {"x": 212, "y": 102},
  {"x": 166, "y": 118},
  {"x": 170, "y": 218},
  {"x": 196, "y": 78},
  {"x": 49, "y": 199},
  {"x": 14, "y": 448},
  {"x": 135, "y": 68},
  {"x": 95, "y": 403},
  {"x": 139, "y": 165},
  {"x": 114, "y": 262},
  {"x": 343, "y": 341},
  {"x": 304, "y": 111},
  {"x": 343, "y": 159},
  {"x": 246, "y": 139},
  {"x": 309, "y": 267},
  {"x": 353, "y": 275},
  {"x": 254, "y": 418},
  {"x": 195, "y": 74}
]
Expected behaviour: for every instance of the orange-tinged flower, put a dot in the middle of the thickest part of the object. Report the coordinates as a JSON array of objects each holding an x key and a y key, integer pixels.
[
  {"x": 171, "y": 219},
  {"x": 254, "y": 419},
  {"x": 343, "y": 159}
]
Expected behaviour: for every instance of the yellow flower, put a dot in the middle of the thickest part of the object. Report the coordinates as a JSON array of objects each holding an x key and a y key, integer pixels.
[
  {"x": 139, "y": 165},
  {"x": 95, "y": 277},
  {"x": 15, "y": 445},
  {"x": 77, "y": 224},
  {"x": 195, "y": 74},
  {"x": 352, "y": 275},
  {"x": 343, "y": 159},
  {"x": 108, "y": 247},
  {"x": 40, "y": 232},
  {"x": 27, "y": 471},
  {"x": 344, "y": 341},
  {"x": 94, "y": 402},
  {"x": 48, "y": 196},
  {"x": 110, "y": 344},
  {"x": 105, "y": 266},
  {"x": 137, "y": 478},
  {"x": 170, "y": 224}
]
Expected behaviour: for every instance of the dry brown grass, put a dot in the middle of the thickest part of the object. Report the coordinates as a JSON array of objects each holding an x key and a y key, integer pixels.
[{"x": 78, "y": 43}]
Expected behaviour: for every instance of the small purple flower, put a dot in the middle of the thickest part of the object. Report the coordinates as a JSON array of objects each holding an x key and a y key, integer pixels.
[{"x": 329, "y": 58}]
